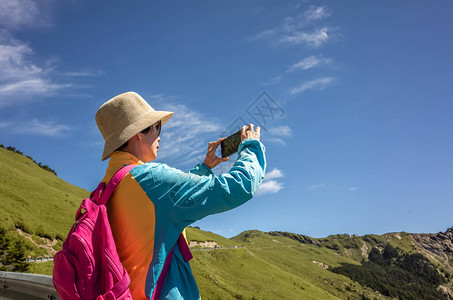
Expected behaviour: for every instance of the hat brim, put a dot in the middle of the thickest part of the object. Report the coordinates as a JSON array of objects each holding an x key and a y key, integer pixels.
[{"x": 114, "y": 141}]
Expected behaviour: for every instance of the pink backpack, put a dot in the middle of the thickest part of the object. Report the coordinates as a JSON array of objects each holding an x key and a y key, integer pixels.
[{"x": 88, "y": 266}]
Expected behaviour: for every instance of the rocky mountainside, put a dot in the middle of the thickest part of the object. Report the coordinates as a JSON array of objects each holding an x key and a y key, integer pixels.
[{"x": 436, "y": 246}]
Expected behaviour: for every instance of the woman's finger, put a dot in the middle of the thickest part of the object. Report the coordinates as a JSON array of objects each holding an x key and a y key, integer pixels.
[
  {"x": 217, "y": 143},
  {"x": 258, "y": 131}
]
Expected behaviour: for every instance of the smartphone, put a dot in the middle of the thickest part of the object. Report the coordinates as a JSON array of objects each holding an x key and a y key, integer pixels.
[{"x": 230, "y": 144}]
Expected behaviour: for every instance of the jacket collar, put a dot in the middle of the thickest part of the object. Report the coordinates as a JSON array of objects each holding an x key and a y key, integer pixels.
[{"x": 118, "y": 160}]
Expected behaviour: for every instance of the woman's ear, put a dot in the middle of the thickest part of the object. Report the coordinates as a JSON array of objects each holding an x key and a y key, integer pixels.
[{"x": 137, "y": 137}]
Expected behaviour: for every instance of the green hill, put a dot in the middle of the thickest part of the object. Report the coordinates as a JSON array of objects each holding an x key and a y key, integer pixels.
[
  {"x": 282, "y": 265},
  {"x": 269, "y": 267},
  {"x": 37, "y": 206},
  {"x": 38, "y": 210}
]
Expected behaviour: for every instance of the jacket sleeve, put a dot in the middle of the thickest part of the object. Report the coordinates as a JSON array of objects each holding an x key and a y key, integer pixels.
[
  {"x": 201, "y": 169},
  {"x": 187, "y": 197}
]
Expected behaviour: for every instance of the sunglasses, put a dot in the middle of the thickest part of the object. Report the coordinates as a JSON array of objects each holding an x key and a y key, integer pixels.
[{"x": 159, "y": 127}]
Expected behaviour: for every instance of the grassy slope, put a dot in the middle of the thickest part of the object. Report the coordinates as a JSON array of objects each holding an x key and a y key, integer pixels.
[
  {"x": 271, "y": 267},
  {"x": 268, "y": 267},
  {"x": 35, "y": 200},
  {"x": 41, "y": 268}
]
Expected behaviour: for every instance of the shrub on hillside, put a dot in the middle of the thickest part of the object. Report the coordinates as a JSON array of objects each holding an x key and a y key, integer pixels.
[
  {"x": 16, "y": 257},
  {"x": 12, "y": 253},
  {"x": 395, "y": 274},
  {"x": 4, "y": 243}
]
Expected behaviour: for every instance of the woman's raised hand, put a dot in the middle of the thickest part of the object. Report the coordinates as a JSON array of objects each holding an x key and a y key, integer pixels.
[
  {"x": 248, "y": 132},
  {"x": 212, "y": 160}
]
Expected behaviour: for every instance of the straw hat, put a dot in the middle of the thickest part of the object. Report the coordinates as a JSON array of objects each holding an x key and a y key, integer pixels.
[{"x": 123, "y": 116}]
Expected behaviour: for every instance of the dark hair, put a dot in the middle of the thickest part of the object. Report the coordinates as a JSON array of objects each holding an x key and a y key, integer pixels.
[{"x": 144, "y": 131}]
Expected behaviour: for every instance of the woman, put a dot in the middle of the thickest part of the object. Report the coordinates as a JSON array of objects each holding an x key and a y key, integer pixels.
[{"x": 154, "y": 202}]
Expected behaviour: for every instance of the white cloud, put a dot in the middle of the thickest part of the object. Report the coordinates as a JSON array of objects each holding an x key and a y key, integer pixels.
[
  {"x": 29, "y": 87},
  {"x": 293, "y": 29},
  {"x": 274, "y": 140},
  {"x": 275, "y": 173},
  {"x": 13, "y": 63},
  {"x": 189, "y": 121},
  {"x": 81, "y": 73},
  {"x": 46, "y": 128},
  {"x": 274, "y": 134},
  {"x": 269, "y": 187},
  {"x": 302, "y": 20},
  {"x": 19, "y": 76},
  {"x": 17, "y": 13},
  {"x": 22, "y": 78},
  {"x": 313, "y": 39},
  {"x": 318, "y": 84},
  {"x": 316, "y": 13},
  {"x": 310, "y": 62},
  {"x": 353, "y": 188},
  {"x": 36, "y": 127},
  {"x": 281, "y": 131}
]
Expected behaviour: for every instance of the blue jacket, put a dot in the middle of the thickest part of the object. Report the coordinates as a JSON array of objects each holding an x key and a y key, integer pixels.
[{"x": 154, "y": 203}]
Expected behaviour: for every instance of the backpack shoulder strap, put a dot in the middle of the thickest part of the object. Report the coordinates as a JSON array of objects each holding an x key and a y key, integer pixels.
[
  {"x": 185, "y": 251},
  {"x": 184, "y": 248},
  {"x": 116, "y": 179}
]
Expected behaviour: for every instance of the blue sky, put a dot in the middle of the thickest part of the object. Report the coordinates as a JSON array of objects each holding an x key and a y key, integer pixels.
[{"x": 360, "y": 136}]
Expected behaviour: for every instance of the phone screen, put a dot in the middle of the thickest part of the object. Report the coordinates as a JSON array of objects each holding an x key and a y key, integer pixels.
[{"x": 230, "y": 144}]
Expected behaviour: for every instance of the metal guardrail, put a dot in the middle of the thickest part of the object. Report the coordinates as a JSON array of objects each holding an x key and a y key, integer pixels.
[
  {"x": 39, "y": 259},
  {"x": 25, "y": 286},
  {"x": 215, "y": 248}
]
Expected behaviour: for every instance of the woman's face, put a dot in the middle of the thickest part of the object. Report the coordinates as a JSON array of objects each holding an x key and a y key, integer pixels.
[{"x": 150, "y": 143}]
